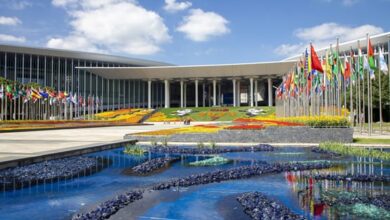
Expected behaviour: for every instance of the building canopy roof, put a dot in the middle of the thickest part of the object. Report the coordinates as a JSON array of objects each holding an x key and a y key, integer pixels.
[{"x": 201, "y": 71}]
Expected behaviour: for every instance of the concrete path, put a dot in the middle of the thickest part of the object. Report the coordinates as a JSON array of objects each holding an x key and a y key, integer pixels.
[{"x": 16, "y": 145}]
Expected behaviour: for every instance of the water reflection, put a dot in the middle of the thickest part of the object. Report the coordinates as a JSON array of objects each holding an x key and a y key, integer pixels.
[{"x": 311, "y": 192}]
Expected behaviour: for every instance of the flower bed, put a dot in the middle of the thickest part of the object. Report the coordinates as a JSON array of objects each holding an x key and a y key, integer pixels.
[
  {"x": 192, "y": 129},
  {"x": 161, "y": 117},
  {"x": 312, "y": 121},
  {"x": 123, "y": 115},
  {"x": 246, "y": 127}
]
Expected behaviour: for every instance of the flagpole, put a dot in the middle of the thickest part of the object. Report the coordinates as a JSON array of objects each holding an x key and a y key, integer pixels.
[
  {"x": 368, "y": 89},
  {"x": 380, "y": 96},
  {"x": 352, "y": 113}
]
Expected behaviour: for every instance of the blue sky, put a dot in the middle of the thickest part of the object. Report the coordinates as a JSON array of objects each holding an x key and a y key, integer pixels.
[{"x": 190, "y": 31}]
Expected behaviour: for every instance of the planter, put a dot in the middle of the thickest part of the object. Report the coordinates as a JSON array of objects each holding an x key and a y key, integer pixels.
[{"x": 296, "y": 134}]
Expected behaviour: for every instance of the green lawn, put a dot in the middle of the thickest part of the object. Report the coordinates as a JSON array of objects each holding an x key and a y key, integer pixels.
[
  {"x": 371, "y": 141},
  {"x": 376, "y": 126},
  {"x": 216, "y": 113}
]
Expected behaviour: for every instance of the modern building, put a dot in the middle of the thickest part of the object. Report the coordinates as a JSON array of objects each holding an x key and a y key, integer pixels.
[{"x": 124, "y": 82}]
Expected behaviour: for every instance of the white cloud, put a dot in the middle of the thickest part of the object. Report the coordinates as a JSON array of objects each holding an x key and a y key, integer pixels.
[
  {"x": 12, "y": 21},
  {"x": 112, "y": 26},
  {"x": 201, "y": 26},
  {"x": 16, "y": 4},
  {"x": 71, "y": 43},
  {"x": 349, "y": 2},
  {"x": 173, "y": 6},
  {"x": 11, "y": 38},
  {"x": 343, "y": 2},
  {"x": 323, "y": 35}
]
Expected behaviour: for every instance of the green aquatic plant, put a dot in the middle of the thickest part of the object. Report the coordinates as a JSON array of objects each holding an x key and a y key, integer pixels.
[
  {"x": 355, "y": 151},
  {"x": 153, "y": 143},
  {"x": 212, "y": 145},
  {"x": 134, "y": 150},
  {"x": 200, "y": 145},
  {"x": 164, "y": 142},
  {"x": 214, "y": 161}
]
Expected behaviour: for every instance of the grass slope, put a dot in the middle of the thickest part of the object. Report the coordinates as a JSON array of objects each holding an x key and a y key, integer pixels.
[{"x": 215, "y": 113}]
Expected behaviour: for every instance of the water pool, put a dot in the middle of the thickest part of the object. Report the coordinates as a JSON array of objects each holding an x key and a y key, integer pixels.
[{"x": 61, "y": 200}]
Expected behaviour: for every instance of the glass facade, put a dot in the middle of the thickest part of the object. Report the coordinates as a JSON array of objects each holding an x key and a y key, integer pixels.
[{"x": 61, "y": 74}]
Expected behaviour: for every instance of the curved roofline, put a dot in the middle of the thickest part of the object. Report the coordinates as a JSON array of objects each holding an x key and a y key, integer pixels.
[
  {"x": 188, "y": 66},
  {"x": 80, "y": 55}
]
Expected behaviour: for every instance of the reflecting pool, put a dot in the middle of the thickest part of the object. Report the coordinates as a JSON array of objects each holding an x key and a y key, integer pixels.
[{"x": 296, "y": 190}]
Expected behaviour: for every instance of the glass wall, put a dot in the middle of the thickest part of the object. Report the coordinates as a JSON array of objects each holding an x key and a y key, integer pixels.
[{"x": 61, "y": 74}]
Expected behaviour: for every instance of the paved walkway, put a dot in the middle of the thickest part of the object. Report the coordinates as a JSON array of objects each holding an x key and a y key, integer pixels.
[{"x": 16, "y": 145}]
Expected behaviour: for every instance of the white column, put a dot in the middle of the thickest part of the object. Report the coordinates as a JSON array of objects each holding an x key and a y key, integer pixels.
[
  {"x": 185, "y": 95},
  {"x": 181, "y": 94},
  {"x": 219, "y": 93},
  {"x": 196, "y": 93},
  {"x": 270, "y": 101},
  {"x": 238, "y": 94},
  {"x": 204, "y": 94},
  {"x": 234, "y": 93},
  {"x": 166, "y": 83},
  {"x": 256, "y": 92},
  {"x": 214, "y": 92},
  {"x": 251, "y": 92},
  {"x": 149, "y": 94}
]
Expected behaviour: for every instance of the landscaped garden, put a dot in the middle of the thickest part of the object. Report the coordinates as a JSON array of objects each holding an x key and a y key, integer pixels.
[
  {"x": 259, "y": 129},
  {"x": 209, "y": 113},
  {"x": 122, "y": 117}
]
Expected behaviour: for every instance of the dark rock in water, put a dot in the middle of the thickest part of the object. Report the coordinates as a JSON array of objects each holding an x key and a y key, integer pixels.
[
  {"x": 49, "y": 171},
  {"x": 110, "y": 207},
  {"x": 152, "y": 165},
  {"x": 259, "y": 207},
  {"x": 218, "y": 150},
  {"x": 325, "y": 152},
  {"x": 350, "y": 177},
  {"x": 237, "y": 173}
]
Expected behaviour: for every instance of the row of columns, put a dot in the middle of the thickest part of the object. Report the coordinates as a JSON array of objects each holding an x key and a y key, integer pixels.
[{"x": 253, "y": 89}]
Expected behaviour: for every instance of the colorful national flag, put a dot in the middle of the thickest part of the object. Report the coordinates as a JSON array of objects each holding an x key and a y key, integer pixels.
[
  {"x": 315, "y": 62},
  {"x": 370, "y": 54},
  {"x": 1, "y": 91},
  {"x": 382, "y": 62}
]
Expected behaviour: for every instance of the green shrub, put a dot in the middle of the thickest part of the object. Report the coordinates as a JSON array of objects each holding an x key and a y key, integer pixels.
[
  {"x": 355, "y": 151},
  {"x": 134, "y": 150}
]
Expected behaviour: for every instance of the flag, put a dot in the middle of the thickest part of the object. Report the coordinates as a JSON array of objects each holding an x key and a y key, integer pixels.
[
  {"x": 8, "y": 92},
  {"x": 74, "y": 99},
  {"x": 315, "y": 62},
  {"x": 347, "y": 71},
  {"x": 327, "y": 66},
  {"x": 1, "y": 91},
  {"x": 370, "y": 54},
  {"x": 35, "y": 94},
  {"x": 382, "y": 62},
  {"x": 352, "y": 66},
  {"x": 43, "y": 94},
  {"x": 361, "y": 64}
]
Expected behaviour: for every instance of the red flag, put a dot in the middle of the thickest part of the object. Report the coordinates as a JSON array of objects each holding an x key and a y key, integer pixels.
[
  {"x": 370, "y": 49},
  {"x": 347, "y": 71},
  {"x": 315, "y": 62}
]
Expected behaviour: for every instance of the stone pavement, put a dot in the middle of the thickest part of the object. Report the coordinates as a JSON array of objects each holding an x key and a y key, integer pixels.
[{"x": 16, "y": 145}]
